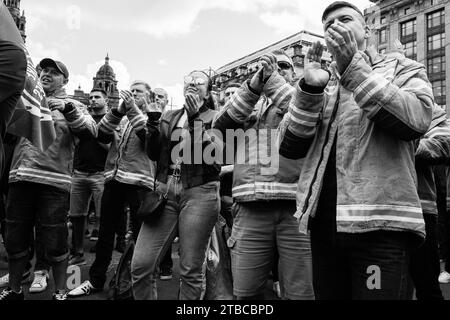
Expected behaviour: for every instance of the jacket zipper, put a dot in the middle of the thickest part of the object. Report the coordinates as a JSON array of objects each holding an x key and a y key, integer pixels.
[
  {"x": 327, "y": 137},
  {"x": 119, "y": 150}
]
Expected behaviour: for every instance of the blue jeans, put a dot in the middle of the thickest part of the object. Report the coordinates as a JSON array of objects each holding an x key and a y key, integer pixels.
[
  {"x": 190, "y": 212},
  {"x": 84, "y": 187},
  {"x": 259, "y": 230}
]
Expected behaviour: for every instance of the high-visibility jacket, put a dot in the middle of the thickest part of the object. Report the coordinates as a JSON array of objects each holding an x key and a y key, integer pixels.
[
  {"x": 260, "y": 173},
  {"x": 373, "y": 112}
]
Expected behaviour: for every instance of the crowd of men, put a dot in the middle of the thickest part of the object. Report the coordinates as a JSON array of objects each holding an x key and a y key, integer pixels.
[{"x": 351, "y": 204}]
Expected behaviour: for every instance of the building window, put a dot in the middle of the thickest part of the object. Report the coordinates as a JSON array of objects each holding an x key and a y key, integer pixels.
[
  {"x": 436, "y": 41},
  {"x": 383, "y": 20},
  {"x": 408, "y": 28},
  {"x": 382, "y": 51},
  {"x": 411, "y": 50},
  {"x": 436, "y": 65},
  {"x": 436, "y": 19},
  {"x": 407, "y": 10},
  {"x": 439, "y": 91},
  {"x": 382, "y": 36}
]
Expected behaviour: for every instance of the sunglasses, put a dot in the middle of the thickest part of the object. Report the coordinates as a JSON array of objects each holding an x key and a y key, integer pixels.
[
  {"x": 284, "y": 65},
  {"x": 196, "y": 81},
  {"x": 229, "y": 93}
]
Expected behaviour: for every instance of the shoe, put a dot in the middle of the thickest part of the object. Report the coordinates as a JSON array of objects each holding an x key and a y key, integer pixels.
[
  {"x": 120, "y": 246},
  {"x": 4, "y": 281},
  {"x": 129, "y": 235},
  {"x": 85, "y": 289},
  {"x": 40, "y": 282},
  {"x": 176, "y": 240},
  {"x": 166, "y": 274},
  {"x": 59, "y": 295},
  {"x": 77, "y": 260},
  {"x": 94, "y": 235},
  {"x": 9, "y": 295},
  {"x": 276, "y": 288},
  {"x": 444, "y": 277}
]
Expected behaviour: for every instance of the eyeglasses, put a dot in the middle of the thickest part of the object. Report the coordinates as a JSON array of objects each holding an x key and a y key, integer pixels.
[
  {"x": 196, "y": 81},
  {"x": 284, "y": 65}
]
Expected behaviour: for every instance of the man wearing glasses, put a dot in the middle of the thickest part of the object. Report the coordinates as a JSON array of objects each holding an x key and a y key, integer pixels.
[{"x": 264, "y": 193}]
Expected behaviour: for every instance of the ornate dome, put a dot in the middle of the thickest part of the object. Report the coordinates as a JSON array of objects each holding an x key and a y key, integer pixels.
[{"x": 106, "y": 70}]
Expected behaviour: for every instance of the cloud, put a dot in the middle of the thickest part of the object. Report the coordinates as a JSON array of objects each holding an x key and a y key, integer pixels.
[
  {"x": 39, "y": 51},
  {"x": 162, "y": 62},
  {"x": 178, "y": 17}
]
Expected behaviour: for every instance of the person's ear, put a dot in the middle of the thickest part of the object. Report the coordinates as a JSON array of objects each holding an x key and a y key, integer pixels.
[{"x": 368, "y": 32}]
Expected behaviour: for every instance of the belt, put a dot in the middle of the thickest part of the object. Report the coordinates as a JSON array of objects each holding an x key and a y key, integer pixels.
[
  {"x": 87, "y": 174},
  {"x": 174, "y": 171}
]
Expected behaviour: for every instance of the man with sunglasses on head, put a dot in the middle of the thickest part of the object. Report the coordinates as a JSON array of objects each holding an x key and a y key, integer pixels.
[
  {"x": 264, "y": 193},
  {"x": 129, "y": 174}
]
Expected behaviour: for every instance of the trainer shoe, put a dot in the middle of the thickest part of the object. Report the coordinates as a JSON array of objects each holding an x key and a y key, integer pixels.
[
  {"x": 444, "y": 277},
  {"x": 276, "y": 288},
  {"x": 59, "y": 295},
  {"x": 4, "y": 281},
  {"x": 40, "y": 282},
  {"x": 85, "y": 289},
  {"x": 9, "y": 295},
  {"x": 94, "y": 235},
  {"x": 166, "y": 274},
  {"x": 77, "y": 260}
]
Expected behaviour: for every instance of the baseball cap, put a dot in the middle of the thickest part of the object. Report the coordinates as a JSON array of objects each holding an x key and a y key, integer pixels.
[{"x": 47, "y": 62}]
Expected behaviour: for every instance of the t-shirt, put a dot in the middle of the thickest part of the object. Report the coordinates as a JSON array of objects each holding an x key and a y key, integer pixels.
[{"x": 90, "y": 155}]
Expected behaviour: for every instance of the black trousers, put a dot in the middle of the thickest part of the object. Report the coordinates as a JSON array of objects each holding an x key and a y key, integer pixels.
[
  {"x": 115, "y": 196},
  {"x": 425, "y": 267}
]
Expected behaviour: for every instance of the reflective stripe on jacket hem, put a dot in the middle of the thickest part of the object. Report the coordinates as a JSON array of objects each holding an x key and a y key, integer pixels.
[
  {"x": 57, "y": 180},
  {"x": 265, "y": 190},
  {"x": 130, "y": 178}
]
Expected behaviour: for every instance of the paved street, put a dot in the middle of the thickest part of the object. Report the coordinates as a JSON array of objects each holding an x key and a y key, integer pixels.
[{"x": 167, "y": 290}]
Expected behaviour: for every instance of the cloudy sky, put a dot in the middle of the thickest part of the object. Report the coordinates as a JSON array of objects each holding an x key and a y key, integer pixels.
[{"x": 161, "y": 40}]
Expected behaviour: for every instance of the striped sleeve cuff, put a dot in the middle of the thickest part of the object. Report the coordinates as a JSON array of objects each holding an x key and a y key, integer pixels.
[
  {"x": 242, "y": 104},
  {"x": 367, "y": 92},
  {"x": 278, "y": 90},
  {"x": 75, "y": 118},
  {"x": 110, "y": 122},
  {"x": 304, "y": 113},
  {"x": 138, "y": 121}
]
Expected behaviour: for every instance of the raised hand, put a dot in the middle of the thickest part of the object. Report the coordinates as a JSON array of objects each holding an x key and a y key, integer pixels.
[
  {"x": 128, "y": 100},
  {"x": 191, "y": 105},
  {"x": 314, "y": 74},
  {"x": 268, "y": 63},
  {"x": 341, "y": 42},
  {"x": 56, "y": 104}
]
